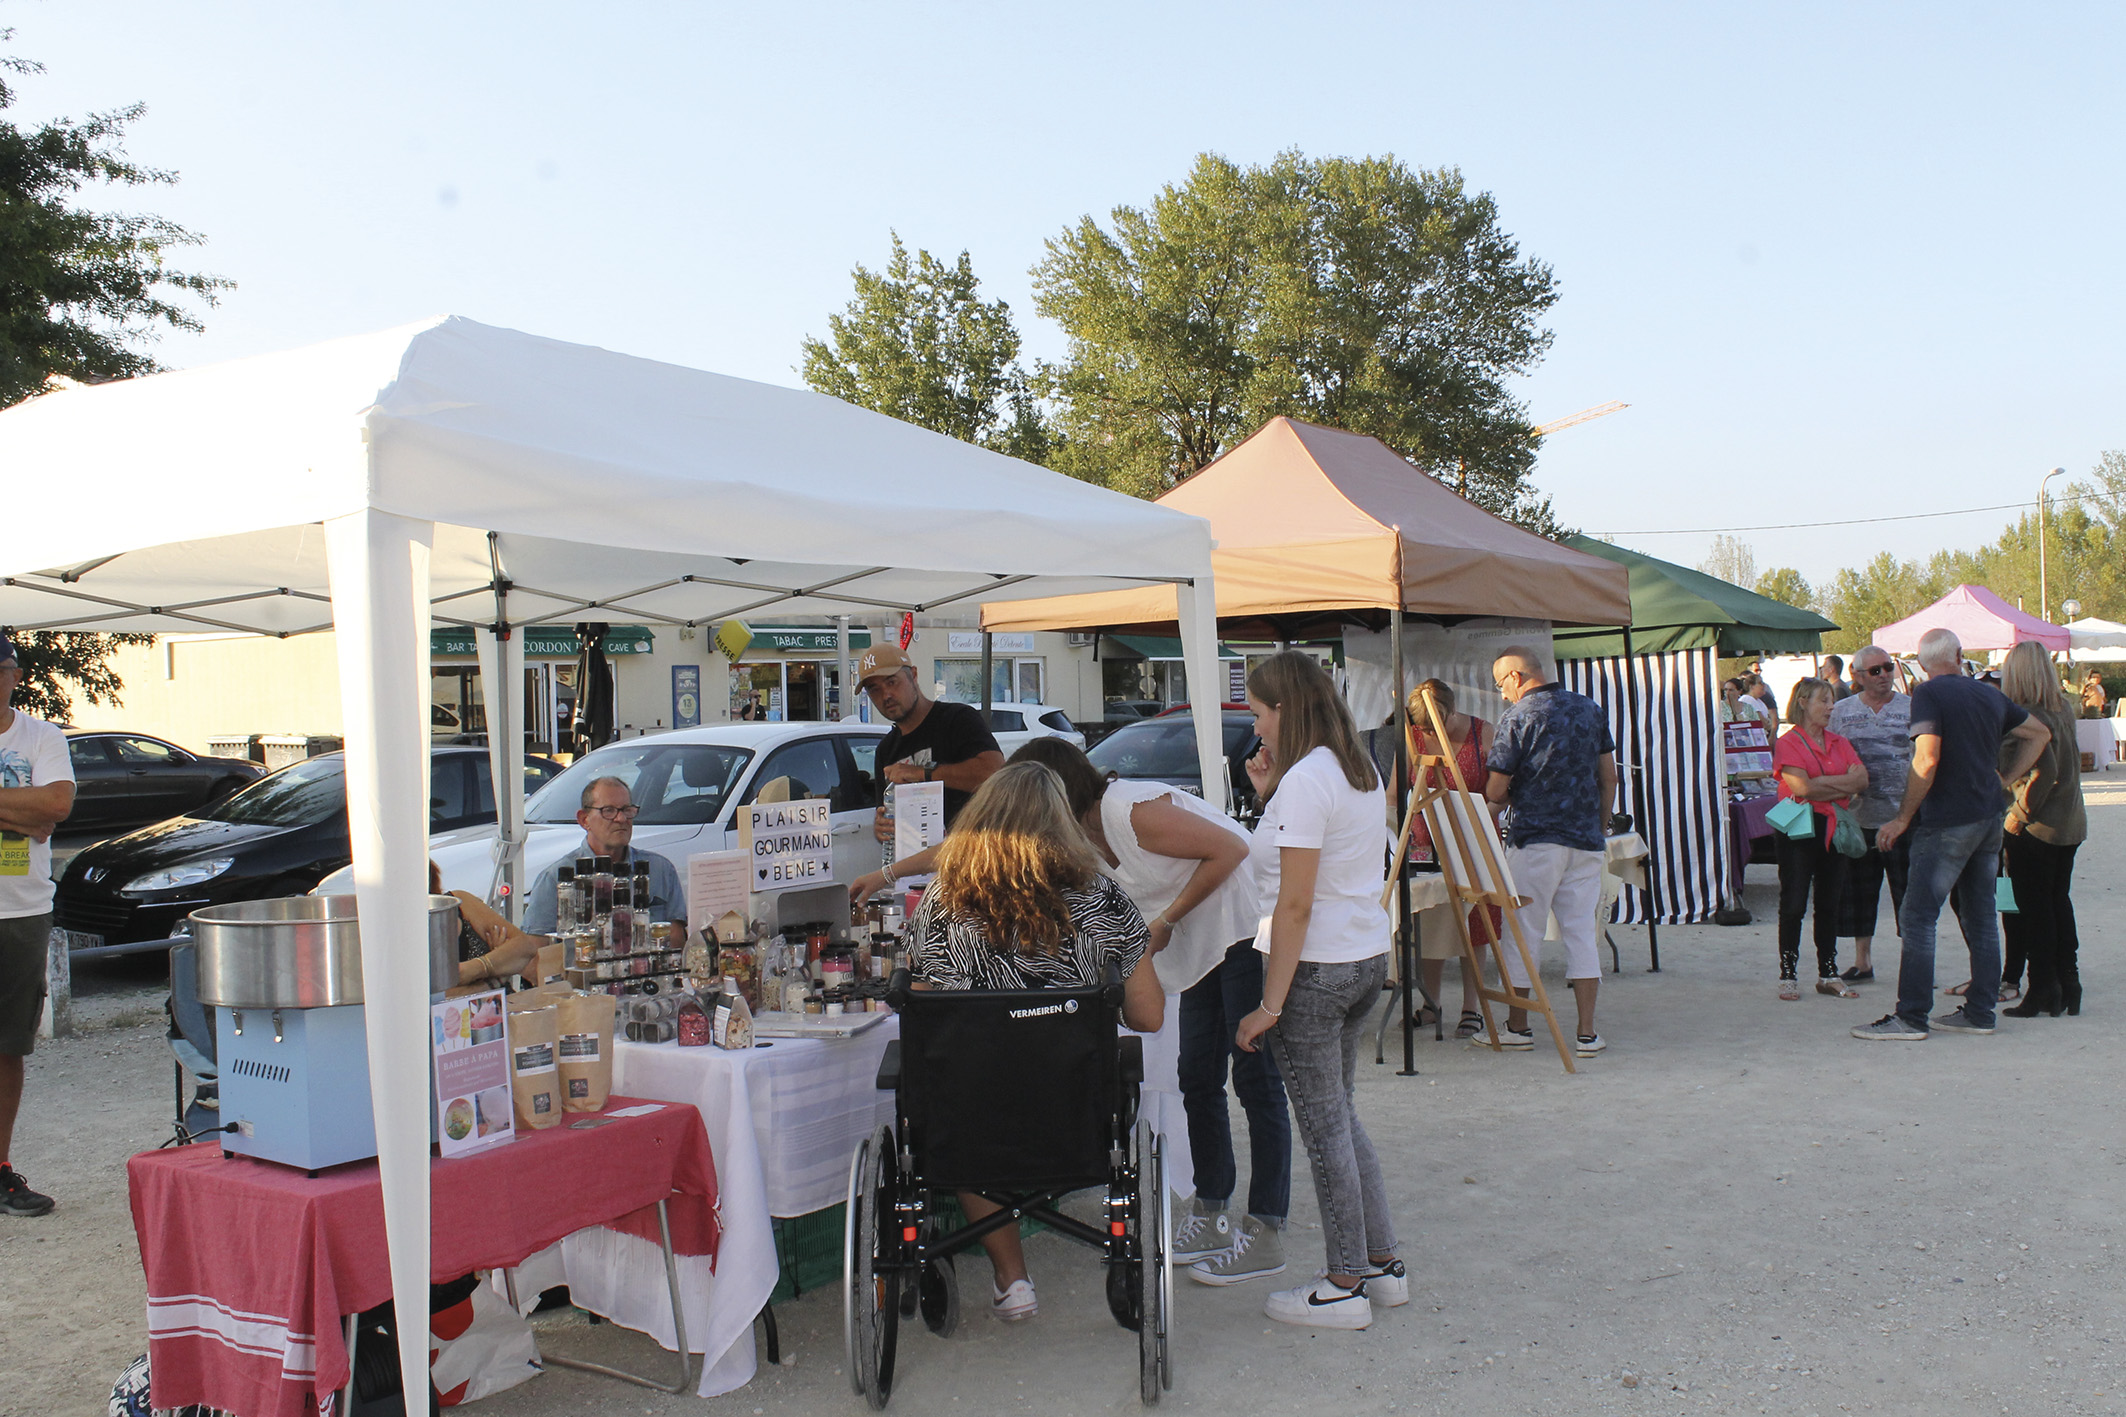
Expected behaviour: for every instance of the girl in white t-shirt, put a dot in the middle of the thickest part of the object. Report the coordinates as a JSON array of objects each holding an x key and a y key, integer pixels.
[{"x": 1320, "y": 863}]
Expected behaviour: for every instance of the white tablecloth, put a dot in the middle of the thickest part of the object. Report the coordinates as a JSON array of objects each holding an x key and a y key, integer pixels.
[
  {"x": 2098, "y": 736},
  {"x": 783, "y": 1121}
]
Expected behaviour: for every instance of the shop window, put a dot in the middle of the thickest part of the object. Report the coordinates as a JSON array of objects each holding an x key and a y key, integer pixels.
[{"x": 1011, "y": 681}]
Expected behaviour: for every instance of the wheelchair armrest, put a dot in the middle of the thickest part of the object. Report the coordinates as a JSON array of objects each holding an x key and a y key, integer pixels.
[
  {"x": 897, "y": 990},
  {"x": 198, "y": 1064},
  {"x": 889, "y": 1067},
  {"x": 1111, "y": 986},
  {"x": 1132, "y": 1067}
]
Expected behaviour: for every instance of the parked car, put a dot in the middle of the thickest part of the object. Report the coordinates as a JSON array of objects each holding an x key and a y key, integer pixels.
[
  {"x": 278, "y": 836},
  {"x": 126, "y": 780},
  {"x": 1163, "y": 749},
  {"x": 691, "y": 784},
  {"x": 1016, "y": 725}
]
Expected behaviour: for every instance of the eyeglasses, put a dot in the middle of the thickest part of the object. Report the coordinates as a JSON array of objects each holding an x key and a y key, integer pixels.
[
  {"x": 617, "y": 814},
  {"x": 1880, "y": 669}
]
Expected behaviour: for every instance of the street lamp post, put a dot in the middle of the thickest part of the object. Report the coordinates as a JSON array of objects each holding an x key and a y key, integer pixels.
[{"x": 2044, "y": 597}]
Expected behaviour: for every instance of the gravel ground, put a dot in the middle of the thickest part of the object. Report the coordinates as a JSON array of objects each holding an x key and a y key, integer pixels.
[{"x": 1735, "y": 1209}]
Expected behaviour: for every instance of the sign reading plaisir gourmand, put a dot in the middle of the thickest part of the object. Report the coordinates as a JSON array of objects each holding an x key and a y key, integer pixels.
[{"x": 792, "y": 844}]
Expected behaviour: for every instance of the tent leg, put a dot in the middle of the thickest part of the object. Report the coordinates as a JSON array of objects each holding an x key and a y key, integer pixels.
[
  {"x": 1642, "y": 803},
  {"x": 1406, "y": 956}
]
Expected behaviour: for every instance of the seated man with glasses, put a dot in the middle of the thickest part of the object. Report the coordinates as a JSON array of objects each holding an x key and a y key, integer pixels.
[{"x": 607, "y": 817}]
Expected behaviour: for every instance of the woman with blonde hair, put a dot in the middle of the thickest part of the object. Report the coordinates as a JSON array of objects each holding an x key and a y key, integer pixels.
[
  {"x": 1020, "y": 902},
  {"x": 1820, "y": 769},
  {"x": 1320, "y": 854},
  {"x": 2045, "y": 826}
]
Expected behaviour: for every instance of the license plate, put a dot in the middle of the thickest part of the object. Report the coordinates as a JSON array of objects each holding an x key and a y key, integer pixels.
[{"x": 76, "y": 940}]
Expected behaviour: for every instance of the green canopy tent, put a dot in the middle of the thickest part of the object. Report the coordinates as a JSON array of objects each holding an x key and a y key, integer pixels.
[{"x": 1656, "y": 678}]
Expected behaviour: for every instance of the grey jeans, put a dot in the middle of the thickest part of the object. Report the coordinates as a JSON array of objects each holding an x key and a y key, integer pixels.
[{"x": 1316, "y": 1045}]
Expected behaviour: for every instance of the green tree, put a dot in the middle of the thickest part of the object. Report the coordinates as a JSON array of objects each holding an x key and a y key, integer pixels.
[
  {"x": 919, "y": 343},
  {"x": 1732, "y": 560},
  {"x": 1356, "y": 293},
  {"x": 81, "y": 291},
  {"x": 1785, "y": 585},
  {"x": 57, "y": 665}
]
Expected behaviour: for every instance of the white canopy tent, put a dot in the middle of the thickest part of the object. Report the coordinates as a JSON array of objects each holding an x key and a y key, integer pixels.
[
  {"x": 2096, "y": 641},
  {"x": 453, "y": 472}
]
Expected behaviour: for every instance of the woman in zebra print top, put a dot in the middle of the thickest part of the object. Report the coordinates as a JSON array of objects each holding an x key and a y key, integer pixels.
[{"x": 1020, "y": 902}]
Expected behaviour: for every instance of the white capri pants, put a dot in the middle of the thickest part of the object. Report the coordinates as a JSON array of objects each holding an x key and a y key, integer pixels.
[{"x": 1561, "y": 880}]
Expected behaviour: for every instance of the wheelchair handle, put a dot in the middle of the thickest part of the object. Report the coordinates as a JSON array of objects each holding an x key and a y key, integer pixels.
[
  {"x": 897, "y": 990},
  {"x": 1111, "y": 985}
]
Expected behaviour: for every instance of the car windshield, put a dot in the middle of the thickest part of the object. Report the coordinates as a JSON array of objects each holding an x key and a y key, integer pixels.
[
  {"x": 302, "y": 794},
  {"x": 673, "y": 783},
  {"x": 1161, "y": 747}
]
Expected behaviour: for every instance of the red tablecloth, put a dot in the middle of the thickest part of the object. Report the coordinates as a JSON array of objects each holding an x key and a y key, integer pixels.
[{"x": 251, "y": 1265}]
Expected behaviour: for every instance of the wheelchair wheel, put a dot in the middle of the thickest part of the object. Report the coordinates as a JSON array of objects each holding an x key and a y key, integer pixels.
[
  {"x": 937, "y": 1294},
  {"x": 871, "y": 1301},
  {"x": 1154, "y": 1275}
]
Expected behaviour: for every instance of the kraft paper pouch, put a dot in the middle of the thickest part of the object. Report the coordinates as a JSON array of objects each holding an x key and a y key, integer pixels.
[
  {"x": 553, "y": 972},
  {"x": 534, "y": 1076},
  {"x": 586, "y": 1050}
]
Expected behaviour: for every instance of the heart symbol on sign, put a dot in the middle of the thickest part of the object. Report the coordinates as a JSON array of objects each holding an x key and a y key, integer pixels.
[{"x": 761, "y": 871}]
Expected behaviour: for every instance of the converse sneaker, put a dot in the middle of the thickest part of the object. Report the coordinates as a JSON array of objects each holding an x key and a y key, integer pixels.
[
  {"x": 1202, "y": 1232},
  {"x": 1509, "y": 1037},
  {"x": 16, "y": 1197},
  {"x": 1891, "y": 1029},
  {"x": 1960, "y": 1021},
  {"x": 1321, "y": 1305},
  {"x": 1257, "y": 1250},
  {"x": 1013, "y": 1303},
  {"x": 1387, "y": 1285}
]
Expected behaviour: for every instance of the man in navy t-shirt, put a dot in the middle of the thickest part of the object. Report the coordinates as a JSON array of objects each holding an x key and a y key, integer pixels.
[{"x": 1954, "y": 799}]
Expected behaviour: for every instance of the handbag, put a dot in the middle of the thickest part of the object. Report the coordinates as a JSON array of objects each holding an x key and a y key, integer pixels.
[
  {"x": 1793, "y": 817},
  {"x": 2004, "y": 890},
  {"x": 1846, "y": 838}
]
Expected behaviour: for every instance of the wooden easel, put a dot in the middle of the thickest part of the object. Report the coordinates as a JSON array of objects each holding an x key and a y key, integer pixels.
[{"x": 1469, "y": 856}]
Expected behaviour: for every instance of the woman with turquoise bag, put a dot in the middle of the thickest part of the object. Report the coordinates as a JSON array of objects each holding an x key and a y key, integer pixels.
[{"x": 1817, "y": 769}]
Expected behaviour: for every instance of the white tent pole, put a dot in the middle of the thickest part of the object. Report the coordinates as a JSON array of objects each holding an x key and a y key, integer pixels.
[
  {"x": 380, "y": 589},
  {"x": 502, "y": 671},
  {"x": 1196, "y": 612}
]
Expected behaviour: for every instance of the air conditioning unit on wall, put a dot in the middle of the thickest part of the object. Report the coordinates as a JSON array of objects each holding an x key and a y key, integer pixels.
[{"x": 1081, "y": 639}]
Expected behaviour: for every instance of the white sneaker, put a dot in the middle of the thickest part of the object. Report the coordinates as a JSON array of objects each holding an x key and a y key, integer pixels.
[
  {"x": 1321, "y": 1305},
  {"x": 1202, "y": 1232},
  {"x": 1589, "y": 1044},
  {"x": 1509, "y": 1037},
  {"x": 1388, "y": 1285},
  {"x": 1014, "y": 1304}
]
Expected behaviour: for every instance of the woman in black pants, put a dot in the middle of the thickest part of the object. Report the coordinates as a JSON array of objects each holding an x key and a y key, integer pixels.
[
  {"x": 2043, "y": 830},
  {"x": 1820, "y": 768}
]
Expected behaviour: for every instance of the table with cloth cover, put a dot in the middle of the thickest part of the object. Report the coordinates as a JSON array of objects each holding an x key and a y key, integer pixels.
[
  {"x": 2099, "y": 737},
  {"x": 252, "y": 1266}
]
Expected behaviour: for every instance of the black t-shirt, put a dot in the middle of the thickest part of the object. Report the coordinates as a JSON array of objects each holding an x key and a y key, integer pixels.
[
  {"x": 950, "y": 733},
  {"x": 1971, "y": 719}
]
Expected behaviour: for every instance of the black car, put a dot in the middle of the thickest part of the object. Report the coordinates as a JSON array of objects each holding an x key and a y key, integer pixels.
[
  {"x": 279, "y": 836},
  {"x": 1163, "y": 749},
  {"x": 126, "y": 780}
]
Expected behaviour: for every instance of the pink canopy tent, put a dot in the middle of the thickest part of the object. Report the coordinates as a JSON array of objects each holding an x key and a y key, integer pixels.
[{"x": 1978, "y": 618}]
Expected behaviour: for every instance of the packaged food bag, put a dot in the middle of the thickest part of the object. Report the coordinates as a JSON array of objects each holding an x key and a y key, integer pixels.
[
  {"x": 585, "y": 1054},
  {"x": 534, "y": 1073},
  {"x": 553, "y": 980}
]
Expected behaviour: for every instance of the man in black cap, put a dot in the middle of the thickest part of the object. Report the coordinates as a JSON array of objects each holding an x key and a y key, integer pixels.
[
  {"x": 931, "y": 741},
  {"x": 36, "y": 794}
]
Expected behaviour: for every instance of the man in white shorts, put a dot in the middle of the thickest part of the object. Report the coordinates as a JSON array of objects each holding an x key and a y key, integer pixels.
[{"x": 1553, "y": 766}]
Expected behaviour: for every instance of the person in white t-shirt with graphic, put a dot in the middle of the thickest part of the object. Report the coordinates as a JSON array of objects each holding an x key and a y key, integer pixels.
[
  {"x": 36, "y": 794},
  {"x": 1320, "y": 862}
]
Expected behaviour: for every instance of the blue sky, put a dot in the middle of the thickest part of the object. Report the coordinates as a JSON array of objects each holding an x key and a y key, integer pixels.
[{"x": 1842, "y": 260}]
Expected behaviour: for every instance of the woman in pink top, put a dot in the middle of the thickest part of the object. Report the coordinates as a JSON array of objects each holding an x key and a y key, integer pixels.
[{"x": 1818, "y": 767}]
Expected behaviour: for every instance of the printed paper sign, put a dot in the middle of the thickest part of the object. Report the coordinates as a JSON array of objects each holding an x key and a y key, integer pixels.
[
  {"x": 792, "y": 844},
  {"x": 717, "y": 883},
  {"x": 918, "y": 817},
  {"x": 470, "y": 1040}
]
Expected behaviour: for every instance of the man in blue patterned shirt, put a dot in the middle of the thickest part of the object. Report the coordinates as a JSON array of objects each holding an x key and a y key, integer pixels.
[{"x": 1553, "y": 766}]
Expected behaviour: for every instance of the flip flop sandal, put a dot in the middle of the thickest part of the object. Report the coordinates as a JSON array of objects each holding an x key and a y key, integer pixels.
[
  {"x": 1471, "y": 1025},
  {"x": 1837, "y": 988},
  {"x": 1959, "y": 990}
]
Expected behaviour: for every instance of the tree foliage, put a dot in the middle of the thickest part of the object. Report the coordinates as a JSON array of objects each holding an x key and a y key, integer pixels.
[
  {"x": 1733, "y": 560},
  {"x": 918, "y": 342},
  {"x": 56, "y": 665},
  {"x": 1785, "y": 585},
  {"x": 81, "y": 291},
  {"x": 1356, "y": 293}
]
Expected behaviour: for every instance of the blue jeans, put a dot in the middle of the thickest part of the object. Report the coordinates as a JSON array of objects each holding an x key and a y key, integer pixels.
[
  {"x": 1316, "y": 1046},
  {"x": 1962, "y": 862},
  {"x": 1211, "y": 1010}
]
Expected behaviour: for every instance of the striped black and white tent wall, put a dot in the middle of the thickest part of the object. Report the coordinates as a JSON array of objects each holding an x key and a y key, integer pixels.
[{"x": 1678, "y": 731}]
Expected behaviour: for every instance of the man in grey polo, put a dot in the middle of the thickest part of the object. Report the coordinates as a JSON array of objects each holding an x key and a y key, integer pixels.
[{"x": 1877, "y": 721}]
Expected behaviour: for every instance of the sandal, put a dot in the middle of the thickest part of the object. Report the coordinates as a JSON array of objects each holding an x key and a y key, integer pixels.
[
  {"x": 1790, "y": 989},
  {"x": 1837, "y": 988},
  {"x": 1471, "y": 1025},
  {"x": 2010, "y": 992},
  {"x": 1959, "y": 990},
  {"x": 1857, "y": 975}
]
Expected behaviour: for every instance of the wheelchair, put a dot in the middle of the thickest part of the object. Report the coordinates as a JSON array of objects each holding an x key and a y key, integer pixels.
[{"x": 1022, "y": 1097}]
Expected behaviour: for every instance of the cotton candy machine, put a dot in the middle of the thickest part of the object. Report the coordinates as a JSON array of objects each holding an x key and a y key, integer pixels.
[{"x": 285, "y": 979}]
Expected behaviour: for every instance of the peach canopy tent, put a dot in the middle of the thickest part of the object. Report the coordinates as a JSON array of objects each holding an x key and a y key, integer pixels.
[{"x": 1978, "y": 618}]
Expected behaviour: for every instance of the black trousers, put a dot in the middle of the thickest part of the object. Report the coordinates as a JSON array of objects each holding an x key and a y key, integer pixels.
[
  {"x": 1864, "y": 880},
  {"x": 1808, "y": 867},
  {"x": 2041, "y": 927}
]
